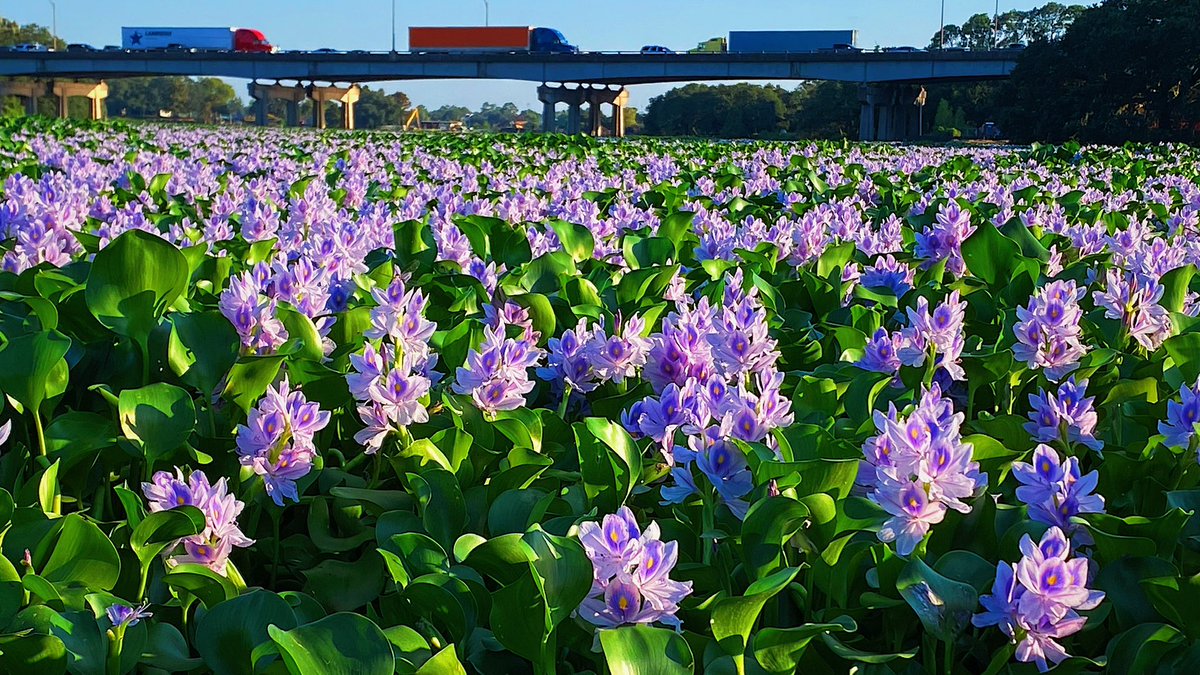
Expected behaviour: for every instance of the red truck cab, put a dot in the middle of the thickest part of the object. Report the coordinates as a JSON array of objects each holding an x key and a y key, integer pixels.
[{"x": 250, "y": 40}]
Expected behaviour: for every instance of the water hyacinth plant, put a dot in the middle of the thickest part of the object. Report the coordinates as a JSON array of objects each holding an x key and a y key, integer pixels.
[{"x": 278, "y": 401}]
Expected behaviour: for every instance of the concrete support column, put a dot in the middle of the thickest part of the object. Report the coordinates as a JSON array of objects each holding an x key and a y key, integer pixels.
[
  {"x": 347, "y": 96},
  {"x": 30, "y": 92},
  {"x": 576, "y": 97},
  {"x": 263, "y": 94},
  {"x": 96, "y": 92},
  {"x": 889, "y": 112},
  {"x": 595, "y": 118},
  {"x": 549, "y": 111},
  {"x": 574, "y": 115}
]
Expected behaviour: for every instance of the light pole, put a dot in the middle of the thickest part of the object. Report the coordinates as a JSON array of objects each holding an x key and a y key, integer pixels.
[
  {"x": 996, "y": 27},
  {"x": 393, "y": 26},
  {"x": 487, "y": 13},
  {"x": 53, "y": 25},
  {"x": 942, "y": 26}
]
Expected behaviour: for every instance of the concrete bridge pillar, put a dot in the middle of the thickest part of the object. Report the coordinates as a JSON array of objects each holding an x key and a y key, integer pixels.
[
  {"x": 549, "y": 113},
  {"x": 889, "y": 112},
  {"x": 263, "y": 94},
  {"x": 30, "y": 92},
  {"x": 347, "y": 96},
  {"x": 95, "y": 92},
  {"x": 552, "y": 96},
  {"x": 595, "y": 98}
]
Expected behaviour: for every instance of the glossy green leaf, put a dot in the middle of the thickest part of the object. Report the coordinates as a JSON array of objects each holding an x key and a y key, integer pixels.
[
  {"x": 339, "y": 643},
  {"x": 642, "y": 649},
  {"x": 132, "y": 282}
]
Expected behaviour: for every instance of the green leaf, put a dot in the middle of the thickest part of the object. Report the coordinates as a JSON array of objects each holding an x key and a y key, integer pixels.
[
  {"x": 989, "y": 255},
  {"x": 943, "y": 605},
  {"x": 562, "y": 573},
  {"x": 159, "y": 418},
  {"x": 32, "y": 654},
  {"x": 84, "y": 555},
  {"x": 133, "y": 281},
  {"x": 166, "y": 649},
  {"x": 609, "y": 461},
  {"x": 1175, "y": 287},
  {"x": 202, "y": 349},
  {"x": 576, "y": 239},
  {"x": 26, "y": 363},
  {"x": 163, "y": 528},
  {"x": 339, "y": 644},
  {"x": 444, "y": 662},
  {"x": 206, "y": 585},
  {"x": 249, "y": 378},
  {"x": 733, "y": 619},
  {"x": 645, "y": 650},
  {"x": 227, "y": 634},
  {"x": 442, "y": 508},
  {"x": 779, "y": 650},
  {"x": 769, "y": 525}
]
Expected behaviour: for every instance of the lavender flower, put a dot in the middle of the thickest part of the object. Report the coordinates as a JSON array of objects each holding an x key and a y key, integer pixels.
[
  {"x": 1048, "y": 331},
  {"x": 277, "y": 440},
  {"x": 917, "y": 467},
  {"x": 622, "y": 355},
  {"x": 1036, "y": 602},
  {"x": 1056, "y": 492},
  {"x": 121, "y": 616},
  {"x": 1067, "y": 416},
  {"x": 1179, "y": 429},
  {"x": 890, "y": 274},
  {"x": 938, "y": 334},
  {"x": 221, "y": 534},
  {"x": 1133, "y": 299},
  {"x": 496, "y": 374},
  {"x": 943, "y": 239},
  {"x": 631, "y": 581},
  {"x": 882, "y": 353}
]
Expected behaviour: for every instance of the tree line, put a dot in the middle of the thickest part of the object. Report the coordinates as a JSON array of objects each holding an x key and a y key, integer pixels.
[{"x": 1121, "y": 70}]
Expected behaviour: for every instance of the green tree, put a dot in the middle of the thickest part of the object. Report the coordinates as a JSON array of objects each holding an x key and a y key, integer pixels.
[
  {"x": 1124, "y": 70},
  {"x": 828, "y": 110}
]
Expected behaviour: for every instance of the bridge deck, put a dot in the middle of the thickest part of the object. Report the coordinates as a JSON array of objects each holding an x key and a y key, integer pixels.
[{"x": 589, "y": 67}]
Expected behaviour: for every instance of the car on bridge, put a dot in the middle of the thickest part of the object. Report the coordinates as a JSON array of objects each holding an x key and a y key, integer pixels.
[
  {"x": 31, "y": 47},
  {"x": 80, "y": 47},
  {"x": 656, "y": 49},
  {"x": 902, "y": 50}
]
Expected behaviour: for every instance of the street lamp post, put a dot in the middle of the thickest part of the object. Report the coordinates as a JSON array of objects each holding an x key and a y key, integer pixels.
[
  {"x": 942, "y": 26},
  {"x": 393, "y": 26},
  {"x": 53, "y": 25},
  {"x": 487, "y": 13},
  {"x": 996, "y": 27}
]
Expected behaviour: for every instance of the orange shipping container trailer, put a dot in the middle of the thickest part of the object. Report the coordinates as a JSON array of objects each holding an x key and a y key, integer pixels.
[{"x": 467, "y": 38}]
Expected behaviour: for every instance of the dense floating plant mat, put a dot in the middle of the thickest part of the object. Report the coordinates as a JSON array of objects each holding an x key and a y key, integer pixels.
[{"x": 287, "y": 402}]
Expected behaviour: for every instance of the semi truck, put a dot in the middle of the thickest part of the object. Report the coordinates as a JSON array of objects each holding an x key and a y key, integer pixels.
[
  {"x": 779, "y": 42},
  {"x": 221, "y": 39},
  {"x": 785, "y": 41},
  {"x": 446, "y": 39}
]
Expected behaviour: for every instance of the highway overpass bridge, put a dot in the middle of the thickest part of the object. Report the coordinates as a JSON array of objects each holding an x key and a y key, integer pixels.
[{"x": 889, "y": 80}]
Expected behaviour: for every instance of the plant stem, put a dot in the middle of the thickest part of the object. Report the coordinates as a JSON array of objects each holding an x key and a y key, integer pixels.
[
  {"x": 562, "y": 407},
  {"x": 41, "y": 433}
]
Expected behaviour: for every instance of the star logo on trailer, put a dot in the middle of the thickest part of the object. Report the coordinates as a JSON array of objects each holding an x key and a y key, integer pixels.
[{"x": 135, "y": 39}]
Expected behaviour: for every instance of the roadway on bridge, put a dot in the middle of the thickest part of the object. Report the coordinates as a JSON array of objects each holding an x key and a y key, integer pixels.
[{"x": 584, "y": 68}]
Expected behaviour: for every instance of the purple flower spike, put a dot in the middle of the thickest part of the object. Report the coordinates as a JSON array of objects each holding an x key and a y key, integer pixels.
[
  {"x": 1036, "y": 602},
  {"x": 631, "y": 573}
]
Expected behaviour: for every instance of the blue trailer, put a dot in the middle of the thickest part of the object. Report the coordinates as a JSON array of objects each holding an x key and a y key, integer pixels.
[{"x": 790, "y": 41}]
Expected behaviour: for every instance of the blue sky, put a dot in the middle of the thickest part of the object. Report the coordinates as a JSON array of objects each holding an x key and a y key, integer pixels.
[{"x": 593, "y": 25}]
